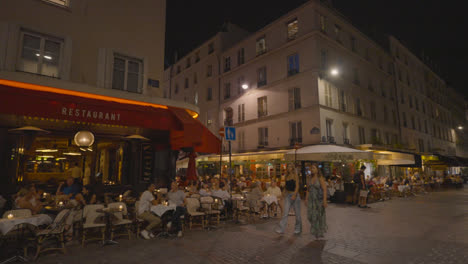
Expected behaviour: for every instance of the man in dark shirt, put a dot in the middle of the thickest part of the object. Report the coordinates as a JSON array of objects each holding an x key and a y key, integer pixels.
[
  {"x": 362, "y": 188},
  {"x": 70, "y": 188}
]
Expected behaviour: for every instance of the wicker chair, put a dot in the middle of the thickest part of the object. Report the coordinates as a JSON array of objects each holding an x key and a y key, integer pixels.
[
  {"x": 90, "y": 215},
  {"x": 122, "y": 220},
  {"x": 208, "y": 204},
  {"x": 55, "y": 231},
  {"x": 193, "y": 205}
]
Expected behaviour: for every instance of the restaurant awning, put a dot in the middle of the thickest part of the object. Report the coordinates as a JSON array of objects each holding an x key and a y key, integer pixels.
[
  {"x": 441, "y": 160},
  {"x": 328, "y": 153},
  {"x": 396, "y": 158},
  {"x": 31, "y": 100}
]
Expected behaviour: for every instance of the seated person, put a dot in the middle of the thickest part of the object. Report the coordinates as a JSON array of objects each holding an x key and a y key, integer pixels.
[
  {"x": 205, "y": 191},
  {"x": 27, "y": 199},
  {"x": 193, "y": 188},
  {"x": 144, "y": 212},
  {"x": 254, "y": 196},
  {"x": 87, "y": 196},
  {"x": 177, "y": 197},
  {"x": 220, "y": 192},
  {"x": 273, "y": 189},
  {"x": 70, "y": 189}
]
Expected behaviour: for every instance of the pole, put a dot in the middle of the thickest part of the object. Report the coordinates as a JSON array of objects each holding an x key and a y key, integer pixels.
[
  {"x": 221, "y": 159},
  {"x": 230, "y": 167}
]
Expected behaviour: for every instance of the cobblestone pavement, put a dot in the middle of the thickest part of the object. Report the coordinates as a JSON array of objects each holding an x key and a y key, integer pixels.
[{"x": 431, "y": 228}]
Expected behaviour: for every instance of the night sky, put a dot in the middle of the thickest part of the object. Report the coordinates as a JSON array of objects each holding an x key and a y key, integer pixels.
[{"x": 437, "y": 28}]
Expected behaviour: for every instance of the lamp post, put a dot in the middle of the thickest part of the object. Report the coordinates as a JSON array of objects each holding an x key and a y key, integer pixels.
[{"x": 84, "y": 139}]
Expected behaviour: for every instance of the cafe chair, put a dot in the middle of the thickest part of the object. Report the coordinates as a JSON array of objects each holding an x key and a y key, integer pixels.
[
  {"x": 195, "y": 195},
  {"x": 207, "y": 205},
  {"x": 54, "y": 232},
  {"x": 138, "y": 221},
  {"x": 18, "y": 213},
  {"x": 122, "y": 221},
  {"x": 193, "y": 207},
  {"x": 94, "y": 221}
]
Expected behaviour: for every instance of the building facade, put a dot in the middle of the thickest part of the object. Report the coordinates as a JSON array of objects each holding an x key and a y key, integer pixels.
[
  {"x": 311, "y": 77},
  {"x": 71, "y": 65}
]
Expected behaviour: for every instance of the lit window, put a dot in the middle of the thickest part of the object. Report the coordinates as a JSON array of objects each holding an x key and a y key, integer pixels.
[
  {"x": 127, "y": 74},
  {"x": 40, "y": 54},
  {"x": 262, "y": 106},
  {"x": 261, "y": 46},
  {"x": 292, "y": 29}
]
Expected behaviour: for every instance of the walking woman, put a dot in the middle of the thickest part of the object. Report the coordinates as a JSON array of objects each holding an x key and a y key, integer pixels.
[
  {"x": 316, "y": 200},
  {"x": 291, "y": 199}
]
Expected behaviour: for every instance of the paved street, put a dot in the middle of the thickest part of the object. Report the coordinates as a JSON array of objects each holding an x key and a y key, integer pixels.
[{"x": 431, "y": 228}]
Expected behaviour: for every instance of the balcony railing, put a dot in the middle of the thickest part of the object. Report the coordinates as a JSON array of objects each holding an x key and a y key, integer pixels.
[{"x": 293, "y": 141}]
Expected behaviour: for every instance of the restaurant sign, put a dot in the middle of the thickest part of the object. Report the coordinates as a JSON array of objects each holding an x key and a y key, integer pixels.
[{"x": 90, "y": 115}]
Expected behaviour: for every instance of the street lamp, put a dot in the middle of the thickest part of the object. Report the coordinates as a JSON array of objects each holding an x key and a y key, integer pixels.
[
  {"x": 334, "y": 72},
  {"x": 84, "y": 139},
  {"x": 245, "y": 86},
  {"x": 460, "y": 127}
]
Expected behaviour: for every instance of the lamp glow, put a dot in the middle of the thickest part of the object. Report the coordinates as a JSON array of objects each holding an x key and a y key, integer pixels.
[
  {"x": 460, "y": 127},
  {"x": 10, "y": 216},
  {"x": 334, "y": 72},
  {"x": 84, "y": 139},
  {"x": 245, "y": 86}
]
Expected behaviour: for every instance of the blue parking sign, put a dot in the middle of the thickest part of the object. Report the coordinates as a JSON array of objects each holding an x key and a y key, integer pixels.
[{"x": 230, "y": 133}]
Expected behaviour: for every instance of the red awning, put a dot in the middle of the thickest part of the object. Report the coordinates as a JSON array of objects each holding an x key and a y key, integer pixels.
[{"x": 25, "y": 100}]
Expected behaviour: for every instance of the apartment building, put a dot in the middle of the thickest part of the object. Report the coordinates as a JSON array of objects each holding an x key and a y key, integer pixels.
[
  {"x": 311, "y": 77},
  {"x": 97, "y": 66}
]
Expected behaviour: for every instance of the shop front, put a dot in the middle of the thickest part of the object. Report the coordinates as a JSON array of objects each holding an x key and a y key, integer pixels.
[{"x": 42, "y": 130}]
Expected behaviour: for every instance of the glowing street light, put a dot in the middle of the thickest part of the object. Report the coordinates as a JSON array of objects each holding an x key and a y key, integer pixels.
[
  {"x": 334, "y": 72},
  {"x": 245, "y": 86},
  {"x": 460, "y": 127}
]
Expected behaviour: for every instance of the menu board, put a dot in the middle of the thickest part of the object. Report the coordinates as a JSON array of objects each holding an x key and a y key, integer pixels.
[{"x": 147, "y": 162}]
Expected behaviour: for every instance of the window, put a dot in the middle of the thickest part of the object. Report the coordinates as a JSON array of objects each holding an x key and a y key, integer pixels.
[
  {"x": 241, "y": 140},
  {"x": 292, "y": 29},
  {"x": 227, "y": 64},
  {"x": 375, "y": 136},
  {"x": 419, "y": 125},
  {"x": 358, "y": 107},
  {"x": 416, "y": 103},
  {"x": 394, "y": 117},
  {"x": 295, "y": 133},
  {"x": 425, "y": 126},
  {"x": 195, "y": 79},
  {"x": 400, "y": 78},
  {"x": 329, "y": 129},
  {"x": 324, "y": 59},
  {"x": 240, "y": 56},
  {"x": 345, "y": 133},
  {"x": 337, "y": 33},
  {"x": 380, "y": 63},
  {"x": 176, "y": 91},
  {"x": 294, "y": 98},
  {"x": 328, "y": 94},
  {"x": 186, "y": 83},
  {"x": 385, "y": 113},
  {"x": 362, "y": 135},
  {"x": 353, "y": 43},
  {"x": 209, "y": 94},
  {"x": 260, "y": 46},
  {"x": 64, "y": 3},
  {"x": 178, "y": 69},
  {"x": 372, "y": 111},
  {"x": 261, "y": 77},
  {"x": 227, "y": 90},
  {"x": 390, "y": 68},
  {"x": 421, "y": 145},
  {"x": 228, "y": 114},
  {"x": 263, "y": 136},
  {"x": 356, "y": 76},
  {"x": 370, "y": 86},
  {"x": 293, "y": 64},
  {"x": 209, "y": 70},
  {"x": 405, "y": 124},
  {"x": 343, "y": 102},
  {"x": 241, "y": 113},
  {"x": 210, "y": 48},
  {"x": 382, "y": 89},
  {"x": 240, "y": 82},
  {"x": 195, "y": 98},
  {"x": 323, "y": 23},
  {"x": 197, "y": 56},
  {"x": 188, "y": 63},
  {"x": 40, "y": 54},
  {"x": 127, "y": 74},
  {"x": 262, "y": 106},
  {"x": 402, "y": 97}
]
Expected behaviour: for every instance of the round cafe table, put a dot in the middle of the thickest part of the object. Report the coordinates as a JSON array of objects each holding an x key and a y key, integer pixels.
[
  {"x": 269, "y": 199},
  {"x": 6, "y": 225},
  {"x": 160, "y": 209}
]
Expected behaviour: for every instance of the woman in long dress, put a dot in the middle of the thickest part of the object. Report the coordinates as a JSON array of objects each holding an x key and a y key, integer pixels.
[{"x": 316, "y": 199}]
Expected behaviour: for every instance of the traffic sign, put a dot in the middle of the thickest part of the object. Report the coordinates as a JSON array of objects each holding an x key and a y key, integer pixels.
[
  {"x": 221, "y": 132},
  {"x": 230, "y": 133}
]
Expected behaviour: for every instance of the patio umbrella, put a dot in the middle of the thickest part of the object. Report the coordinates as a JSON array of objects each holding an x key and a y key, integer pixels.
[
  {"x": 191, "y": 169},
  {"x": 328, "y": 153}
]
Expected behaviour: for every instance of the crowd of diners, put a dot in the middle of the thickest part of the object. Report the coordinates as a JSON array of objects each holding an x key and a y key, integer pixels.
[{"x": 73, "y": 193}]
